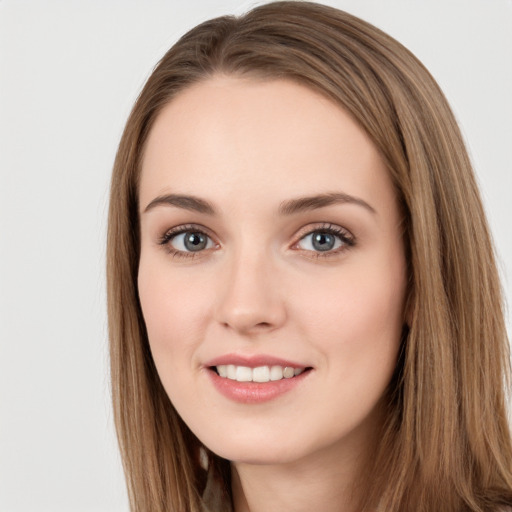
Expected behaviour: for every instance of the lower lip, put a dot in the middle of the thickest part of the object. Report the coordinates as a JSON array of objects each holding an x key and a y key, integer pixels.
[{"x": 255, "y": 392}]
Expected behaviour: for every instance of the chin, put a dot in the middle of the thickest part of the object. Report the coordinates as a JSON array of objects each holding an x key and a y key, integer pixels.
[
  {"x": 260, "y": 449},
  {"x": 257, "y": 455}
]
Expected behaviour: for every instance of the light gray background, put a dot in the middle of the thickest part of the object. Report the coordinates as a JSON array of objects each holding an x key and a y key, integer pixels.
[{"x": 69, "y": 73}]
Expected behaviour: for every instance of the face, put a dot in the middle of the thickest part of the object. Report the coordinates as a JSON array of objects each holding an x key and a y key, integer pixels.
[{"x": 272, "y": 272}]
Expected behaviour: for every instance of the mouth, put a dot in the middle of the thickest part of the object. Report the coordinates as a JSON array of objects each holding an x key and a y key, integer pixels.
[
  {"x": 260, "y": 374},
  {"x": 257, "y": 378}
]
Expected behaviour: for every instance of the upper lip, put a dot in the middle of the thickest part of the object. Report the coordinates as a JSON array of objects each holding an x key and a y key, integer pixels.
[{"x": 253, "y": 361}]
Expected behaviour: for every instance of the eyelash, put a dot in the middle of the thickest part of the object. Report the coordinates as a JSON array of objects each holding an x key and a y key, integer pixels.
[
  {"x": 346, "y": 238},
  {"x": 179, "y": 230}
]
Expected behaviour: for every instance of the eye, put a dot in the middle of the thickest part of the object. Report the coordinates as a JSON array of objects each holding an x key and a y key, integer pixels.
[
  {"x": 184, "y": 241},
  {"x": 329, "y": 239},
  {"x": 191, "y": 241}
]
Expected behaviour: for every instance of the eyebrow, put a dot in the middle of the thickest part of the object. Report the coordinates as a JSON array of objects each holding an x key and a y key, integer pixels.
[
  {"x": 302, "y": 204},
  {"x": 186, "y": 202},
  {"x": 288, "y": 207}
]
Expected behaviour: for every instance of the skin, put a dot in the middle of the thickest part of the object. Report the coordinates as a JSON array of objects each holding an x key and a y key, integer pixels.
[{"x": 260, "y": 286}]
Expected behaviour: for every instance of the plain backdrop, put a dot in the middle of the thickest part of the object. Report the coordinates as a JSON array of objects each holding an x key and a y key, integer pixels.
[{"x": 69, "y": 73}]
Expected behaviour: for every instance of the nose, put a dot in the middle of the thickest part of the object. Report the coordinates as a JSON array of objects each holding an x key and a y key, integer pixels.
[{"x": 251, "y": 300}]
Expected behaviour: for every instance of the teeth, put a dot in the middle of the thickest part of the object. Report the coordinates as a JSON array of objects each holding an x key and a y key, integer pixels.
[
  {"x": 288, "y": 372},
  {"x": 231, "y": 372},
  {"x": 243, "y": 374},
  {"x": 259, "y": 374},
  {"x": 276, "y": 373}
]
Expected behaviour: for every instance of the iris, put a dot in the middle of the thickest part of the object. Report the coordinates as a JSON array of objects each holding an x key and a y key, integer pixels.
[
  {"x": 195, "y": 241},
  {"x": 323, "y": 241}
]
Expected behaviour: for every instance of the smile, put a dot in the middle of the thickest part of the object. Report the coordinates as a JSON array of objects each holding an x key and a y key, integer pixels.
[
  {"x": 264, "y": 380},
  {"x": 258, "y": 374}
]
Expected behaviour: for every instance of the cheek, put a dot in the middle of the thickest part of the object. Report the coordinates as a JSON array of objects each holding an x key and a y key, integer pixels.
[
  {"x": 175, "y": 311},
  {"x": 356, "y": 313},
  {"x": 355, "y": 324}
]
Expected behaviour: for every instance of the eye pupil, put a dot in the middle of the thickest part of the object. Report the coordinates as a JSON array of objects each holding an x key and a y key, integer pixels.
[
  {"x": 323, "y": 241},
  {"x": 195, "y": 241}
]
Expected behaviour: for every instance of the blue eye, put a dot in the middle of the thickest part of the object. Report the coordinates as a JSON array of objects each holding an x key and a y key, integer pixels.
[
  {"x": 325, "y": 240},
  {"x": 186, "y": 241}
]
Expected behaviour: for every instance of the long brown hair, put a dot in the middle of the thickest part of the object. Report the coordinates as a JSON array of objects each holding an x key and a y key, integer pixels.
[{"x": 445, "y": 444}]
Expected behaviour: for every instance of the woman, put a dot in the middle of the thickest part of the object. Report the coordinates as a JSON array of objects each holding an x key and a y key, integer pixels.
[{"x": 304, "y": 307}]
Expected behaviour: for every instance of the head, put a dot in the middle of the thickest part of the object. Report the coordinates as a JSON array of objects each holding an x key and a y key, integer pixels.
[{"x": 440, "y": 375}]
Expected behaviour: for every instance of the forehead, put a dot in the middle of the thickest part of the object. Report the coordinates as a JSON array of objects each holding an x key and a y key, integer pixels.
[{"x": 240, "y": 135}]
